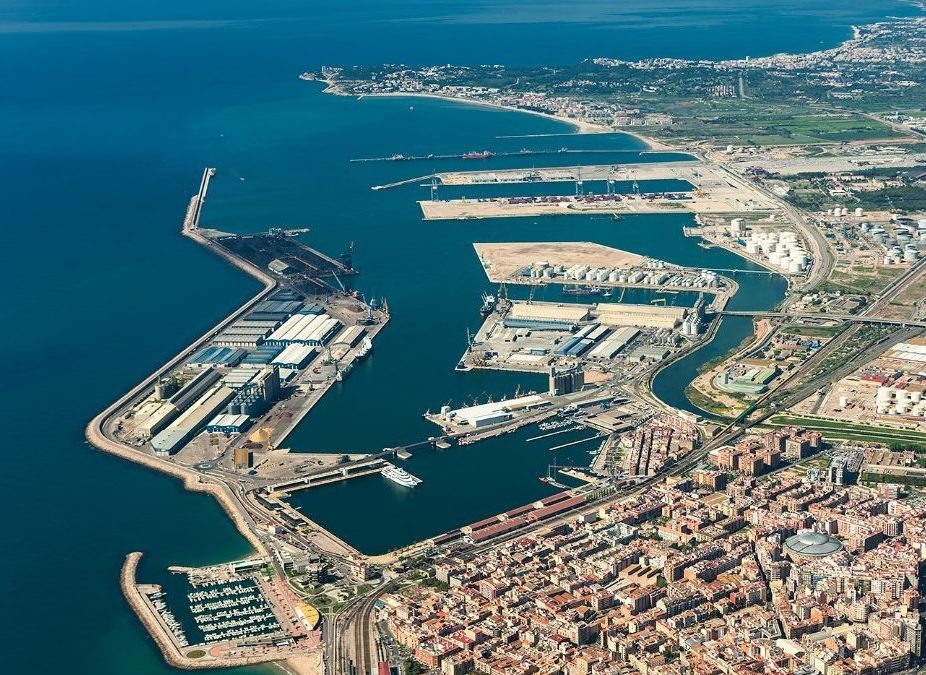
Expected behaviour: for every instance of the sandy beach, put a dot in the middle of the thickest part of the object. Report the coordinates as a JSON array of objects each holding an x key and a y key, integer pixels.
[{"x": 580, "y": 126}]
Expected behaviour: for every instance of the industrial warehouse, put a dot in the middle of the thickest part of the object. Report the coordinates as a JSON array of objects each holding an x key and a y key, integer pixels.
[
  {"x": 230, "y": 384},
  {"x": 540, "y": 336}
]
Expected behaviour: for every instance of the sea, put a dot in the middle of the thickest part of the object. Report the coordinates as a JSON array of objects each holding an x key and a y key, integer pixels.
[{"x": 110, "y": 111}]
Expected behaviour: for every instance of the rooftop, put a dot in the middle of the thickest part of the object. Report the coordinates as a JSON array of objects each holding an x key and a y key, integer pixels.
[{"x": 813, "y": 544}]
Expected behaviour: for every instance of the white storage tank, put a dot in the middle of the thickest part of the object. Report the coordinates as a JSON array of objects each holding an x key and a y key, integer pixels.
[
  {"x": 859, "y": 212},
  {"x": 843, "y": 401}
]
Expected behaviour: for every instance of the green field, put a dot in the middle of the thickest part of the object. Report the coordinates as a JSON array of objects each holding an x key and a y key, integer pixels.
[
  {"x": 812, "y": 331},
  {"x": 852, "y": 431},
  {"x": 751, "y": 122}
]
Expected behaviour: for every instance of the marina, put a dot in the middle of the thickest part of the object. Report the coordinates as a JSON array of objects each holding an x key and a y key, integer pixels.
[{"x": 124, "y": 152}]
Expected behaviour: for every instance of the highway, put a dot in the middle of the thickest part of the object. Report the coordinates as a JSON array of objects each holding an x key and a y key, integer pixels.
[{"x": 852, "y": 318}]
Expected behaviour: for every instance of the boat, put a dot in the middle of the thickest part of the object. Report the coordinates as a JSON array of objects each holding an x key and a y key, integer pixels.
[
  {"x": 400, "y": 476},
  {"x": 488, "y": 304},
  {"x": 484, "y": 154},
  {"x": 581, "y": 290},
  {"x": 365, "y": 348},
  {"x": 343, "y": 372}
]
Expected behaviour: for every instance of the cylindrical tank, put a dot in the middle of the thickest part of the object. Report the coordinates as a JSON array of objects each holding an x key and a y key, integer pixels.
[{"x": 843, "y": 401}]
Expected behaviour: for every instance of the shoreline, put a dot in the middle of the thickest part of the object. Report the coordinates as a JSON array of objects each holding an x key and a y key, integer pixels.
[{"x": 579, "y": 126}]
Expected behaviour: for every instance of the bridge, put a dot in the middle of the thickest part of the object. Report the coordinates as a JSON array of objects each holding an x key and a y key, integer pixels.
[{"x": 851, "y": 318}]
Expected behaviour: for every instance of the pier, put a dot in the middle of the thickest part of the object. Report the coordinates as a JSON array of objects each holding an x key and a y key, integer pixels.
[{"x": 484, "y": 156}]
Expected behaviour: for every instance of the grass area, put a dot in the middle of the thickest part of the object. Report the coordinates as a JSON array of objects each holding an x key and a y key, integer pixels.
[
  {"x": 196, "y": 654},
  {"x": 865, "y": 282},
  {"x": 751, "y": 122},
  {"x": 852, "y": 431},
  {"x": 812, "y": 331},
  {"x": 706, "y": 403},
  {"x": 867, "y": 477}
]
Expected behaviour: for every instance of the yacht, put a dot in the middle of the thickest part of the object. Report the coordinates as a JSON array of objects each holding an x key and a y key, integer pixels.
[{"x": 400, "y": 476}]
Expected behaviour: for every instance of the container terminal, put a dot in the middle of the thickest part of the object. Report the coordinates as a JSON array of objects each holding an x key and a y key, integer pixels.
[{"x": 712, "y": 191}]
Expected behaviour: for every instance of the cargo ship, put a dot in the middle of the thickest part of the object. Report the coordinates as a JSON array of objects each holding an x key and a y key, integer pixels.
[
  {"x": 400, "y": 476},
  {"x": 365, "y": 348},
  {"x": 488, "y": 305},
  {"x": 581, "y": 290},
  {"x": 485, "y": 154}
]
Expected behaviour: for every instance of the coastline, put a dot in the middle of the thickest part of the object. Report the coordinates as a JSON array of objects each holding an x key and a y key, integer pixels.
[
  {"x": 95, "y": 431},
  {"x": 580, "y": 126}
]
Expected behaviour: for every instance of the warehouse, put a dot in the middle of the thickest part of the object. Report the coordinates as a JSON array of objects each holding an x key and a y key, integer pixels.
[
  {"x": 640, "y": 316},
  {"x": 157, "y": 420},
  {"x": 306, "y": 329},
  {"x": 294, "y": 357},
  {"x": 278, "y": 306},
  {"x": 609, "y": 348},
  {"x": 239, "y": 377},
  {"x": 174, "y": 437},
  {"x": 351, "y": 336},
  {"x": 262, "y": 356},
  {"x": 239, "y": 339},
  {"x": 228, "y": 424},
  {"x": 549, "y": 312},
  {"x": 218, "y": 356},
  {"x": 580, "y": 347},
  {"x": 493, "y": 413},
  {"x": 193, "y": 389}
]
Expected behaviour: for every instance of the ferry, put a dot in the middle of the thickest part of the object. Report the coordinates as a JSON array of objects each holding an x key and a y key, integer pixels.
[
  {"x": 365, "y": 348},
  {"x": 400, "y": 476}
]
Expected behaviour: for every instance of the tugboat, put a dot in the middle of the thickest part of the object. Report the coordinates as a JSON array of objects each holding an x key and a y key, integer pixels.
[{"x": 488, "y": 304}]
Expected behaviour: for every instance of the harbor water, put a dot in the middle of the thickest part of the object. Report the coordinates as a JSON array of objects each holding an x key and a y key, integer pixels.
[{"x": 112, "y": 110}]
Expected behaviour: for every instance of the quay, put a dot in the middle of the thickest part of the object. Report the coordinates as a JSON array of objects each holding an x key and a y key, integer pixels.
[{"x": 484, "y": 155}]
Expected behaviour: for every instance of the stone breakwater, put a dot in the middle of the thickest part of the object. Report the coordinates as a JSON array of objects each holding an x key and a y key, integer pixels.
[{"x": 172, "y": 655}]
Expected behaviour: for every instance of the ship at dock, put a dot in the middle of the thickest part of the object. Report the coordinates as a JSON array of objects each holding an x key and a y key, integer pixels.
[
  {"x": 365, "y": 348},
  {"x": 484, "y": 154},
  {"x": 582, "y": 290},
  {"x": 488, "y": 304},
  {"x": 400, "y": 476}
]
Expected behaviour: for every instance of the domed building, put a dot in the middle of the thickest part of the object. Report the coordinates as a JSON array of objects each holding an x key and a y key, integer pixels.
[{"x": 811, "y": 545}]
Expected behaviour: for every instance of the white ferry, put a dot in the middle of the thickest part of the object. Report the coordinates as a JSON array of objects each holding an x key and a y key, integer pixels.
[{"x": 400, "y": 476}]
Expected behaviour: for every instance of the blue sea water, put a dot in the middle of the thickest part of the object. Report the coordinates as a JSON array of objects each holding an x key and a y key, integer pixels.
[{"x": 111, "y": 109}]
